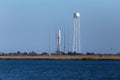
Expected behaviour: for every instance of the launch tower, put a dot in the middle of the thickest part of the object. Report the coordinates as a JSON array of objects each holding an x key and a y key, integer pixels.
[{"x": 76, "y": 33}]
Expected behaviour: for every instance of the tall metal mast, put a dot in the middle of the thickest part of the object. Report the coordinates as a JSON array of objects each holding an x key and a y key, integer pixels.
[{"x": 76, "y": 33}]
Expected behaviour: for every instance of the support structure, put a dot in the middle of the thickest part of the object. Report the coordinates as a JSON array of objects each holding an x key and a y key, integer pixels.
[{"x": 76, "y": 33}]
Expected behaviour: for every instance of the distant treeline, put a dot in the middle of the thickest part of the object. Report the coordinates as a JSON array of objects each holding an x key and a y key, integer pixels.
[{"x": 33, "y": 53}]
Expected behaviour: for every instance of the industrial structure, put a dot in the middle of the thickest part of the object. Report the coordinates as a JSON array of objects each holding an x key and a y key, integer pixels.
[
  {"x": 76, "y": 36},
  {"x": 76, "y": 33}
]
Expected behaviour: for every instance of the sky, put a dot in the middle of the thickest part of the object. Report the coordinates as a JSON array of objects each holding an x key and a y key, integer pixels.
[{"x": 32, "y": 25}]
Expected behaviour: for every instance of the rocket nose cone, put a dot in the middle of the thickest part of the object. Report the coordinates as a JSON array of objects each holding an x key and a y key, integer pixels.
[{"x": 59, "y": 31}]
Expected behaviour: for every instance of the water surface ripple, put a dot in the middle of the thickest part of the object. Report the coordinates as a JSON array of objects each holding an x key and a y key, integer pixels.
[{"x": 59, "y": 70}]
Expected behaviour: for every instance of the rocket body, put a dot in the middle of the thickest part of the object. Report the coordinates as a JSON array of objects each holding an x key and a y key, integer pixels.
[{"x": 59, "y": 41}]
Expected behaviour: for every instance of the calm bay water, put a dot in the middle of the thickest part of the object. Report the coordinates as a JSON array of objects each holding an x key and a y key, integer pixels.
[{"x": 59, "y": 70}]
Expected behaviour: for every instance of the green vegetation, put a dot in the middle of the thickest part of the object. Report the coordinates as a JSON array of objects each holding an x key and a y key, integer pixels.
[{"x": 33, "y": 53}]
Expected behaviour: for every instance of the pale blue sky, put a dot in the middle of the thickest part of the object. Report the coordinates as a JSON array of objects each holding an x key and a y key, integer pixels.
[{"x": 25, "y": 24}]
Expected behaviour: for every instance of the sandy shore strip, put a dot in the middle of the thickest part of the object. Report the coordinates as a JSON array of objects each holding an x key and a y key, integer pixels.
[{"x": 65, "y": 57}]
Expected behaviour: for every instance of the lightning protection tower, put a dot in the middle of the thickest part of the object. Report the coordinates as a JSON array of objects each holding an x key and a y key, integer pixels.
[{"x": 76, "y": 33}]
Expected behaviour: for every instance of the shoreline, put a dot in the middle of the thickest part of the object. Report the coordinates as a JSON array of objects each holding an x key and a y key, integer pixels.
[{"x": 62, "y": 57}]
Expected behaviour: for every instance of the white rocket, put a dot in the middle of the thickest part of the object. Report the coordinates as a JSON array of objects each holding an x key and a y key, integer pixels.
[{"x": 59, "y": 41}]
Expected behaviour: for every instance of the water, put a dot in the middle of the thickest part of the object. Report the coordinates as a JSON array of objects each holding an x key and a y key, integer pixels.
[{"x": 59, "y": 70}]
